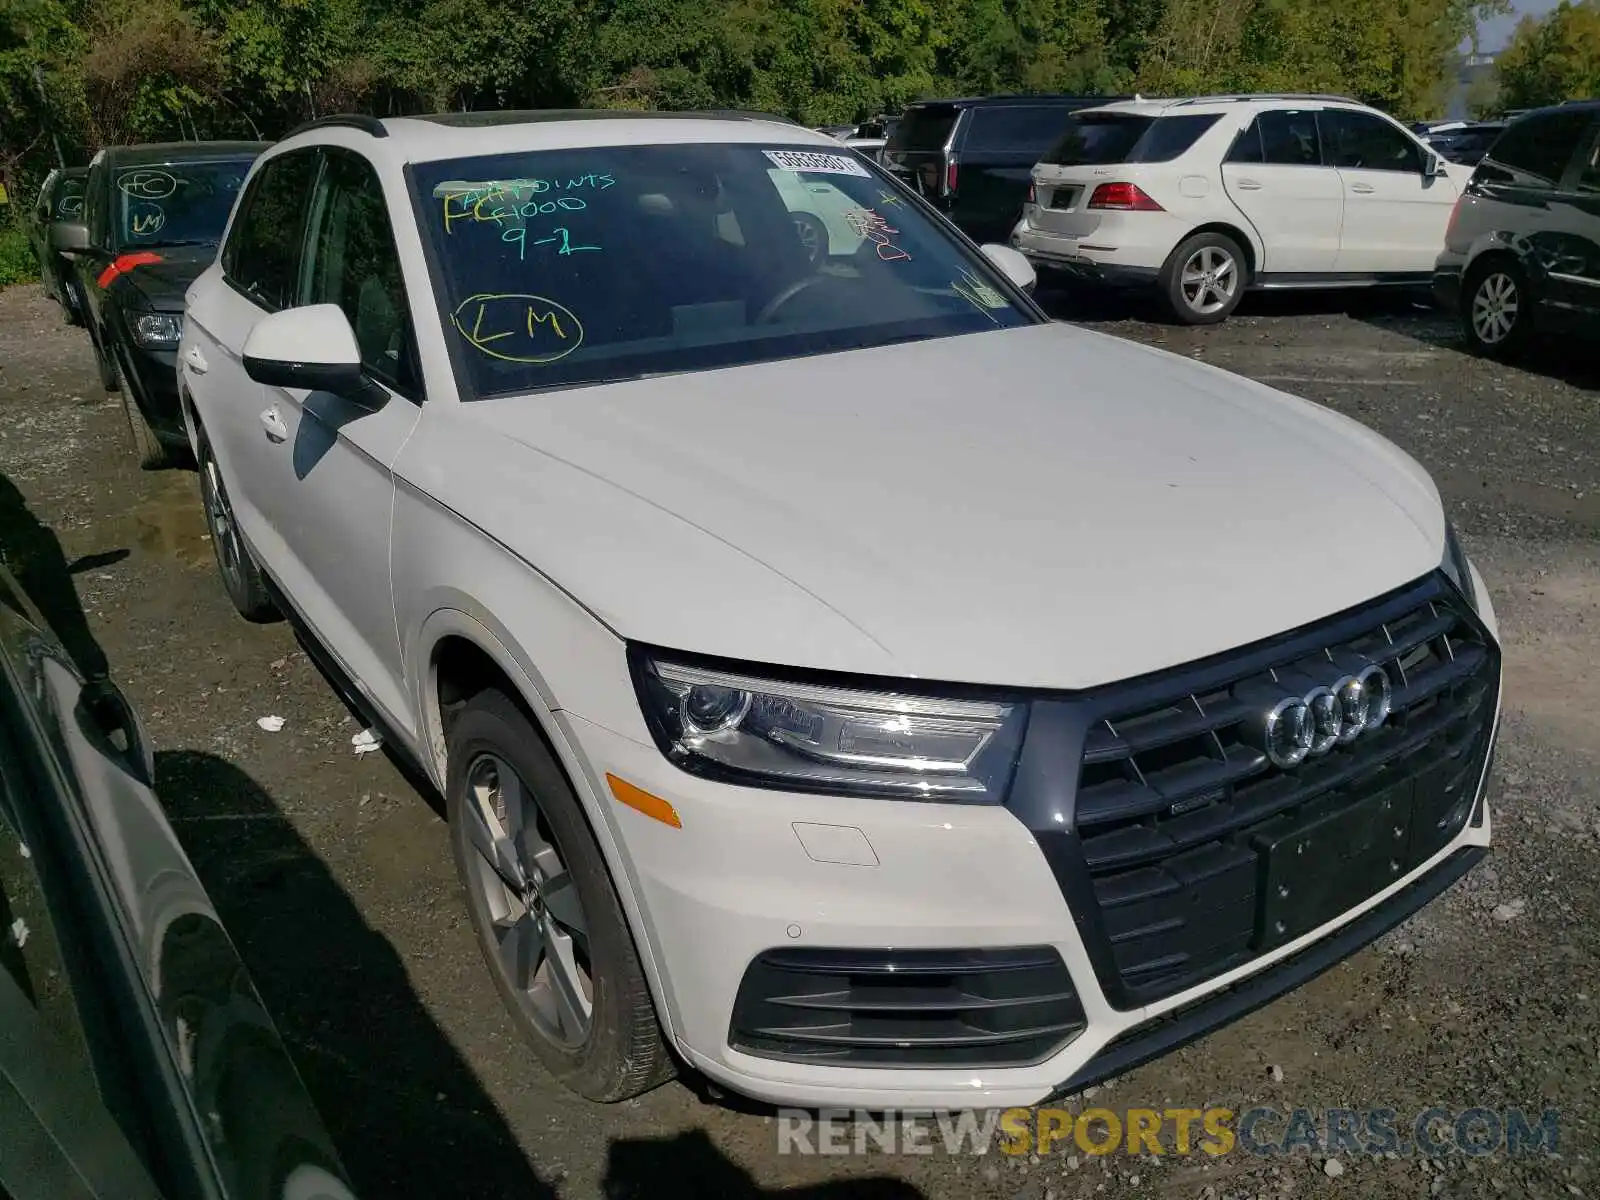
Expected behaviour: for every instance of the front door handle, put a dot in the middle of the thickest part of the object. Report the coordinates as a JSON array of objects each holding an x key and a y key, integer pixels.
[
  {"x": 194, "y": 360},
  {"x": 272, "y": 422},
  {"x": 1249, "y": 185},
  {"x": 1362, "y": 189}
]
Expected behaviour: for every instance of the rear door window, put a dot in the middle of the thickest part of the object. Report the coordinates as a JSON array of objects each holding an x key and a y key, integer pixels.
[
  {"x": 1105, "y": 138},
  {"x": 1537, "y": 149},
  {"x": 1280, "y": 137},
  {"x": 1025, "y": 129}
]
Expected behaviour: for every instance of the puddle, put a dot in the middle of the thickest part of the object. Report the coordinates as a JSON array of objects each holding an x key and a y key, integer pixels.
[{"x": 171, "y": 523}]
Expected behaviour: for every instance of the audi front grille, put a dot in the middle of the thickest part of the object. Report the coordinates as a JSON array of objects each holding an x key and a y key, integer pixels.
[{"x": 1183, "y": 851}]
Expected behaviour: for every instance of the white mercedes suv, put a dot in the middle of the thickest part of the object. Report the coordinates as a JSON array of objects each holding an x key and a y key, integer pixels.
[
  {"x": 841, "y": 678},
  {"x": 1205, "y": 198}
]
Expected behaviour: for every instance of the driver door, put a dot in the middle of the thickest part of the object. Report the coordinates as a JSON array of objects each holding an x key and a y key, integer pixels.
[
  {"x": 1394, "y": 215},
  {"x": 333, "y": 481}
]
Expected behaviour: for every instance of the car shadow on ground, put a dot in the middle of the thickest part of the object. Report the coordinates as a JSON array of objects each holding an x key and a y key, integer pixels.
[
  {"x": 32, "y": 553},
  {"x": 407, "y": 1112},
  {"x": 1093, "y": 306},
  {"x": 1570, "y": 358},
  {"x": 690, "y": 1165}
]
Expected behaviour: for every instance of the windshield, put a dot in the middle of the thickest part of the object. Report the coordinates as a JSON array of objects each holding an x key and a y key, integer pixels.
[
  {"x": 596, "y": 265},
  {"x": 175, "y": 203}
]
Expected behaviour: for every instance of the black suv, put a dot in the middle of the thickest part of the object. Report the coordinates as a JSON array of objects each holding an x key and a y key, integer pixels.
[
  {"x": 1523, "y": 246},
  {"x": 973, "y": 158},
  {"x": 153, "y": 216}
]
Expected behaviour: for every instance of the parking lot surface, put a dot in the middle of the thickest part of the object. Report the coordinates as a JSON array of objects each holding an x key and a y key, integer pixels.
[{"x": 333, "y": 872}]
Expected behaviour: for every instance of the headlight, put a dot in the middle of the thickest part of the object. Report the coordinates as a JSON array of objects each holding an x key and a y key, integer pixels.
[
  {"x": 1456, "y": 567},
  {"x": 805, "y": 737},
  {"x": 155, "y": 331}
]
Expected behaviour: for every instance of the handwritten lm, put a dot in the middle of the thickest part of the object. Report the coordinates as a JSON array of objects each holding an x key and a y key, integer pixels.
[{"x": 518, "y": 327}]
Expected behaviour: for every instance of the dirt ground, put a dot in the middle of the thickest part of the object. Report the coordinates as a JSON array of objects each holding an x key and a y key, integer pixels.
[{"x": 334, "y": 875}]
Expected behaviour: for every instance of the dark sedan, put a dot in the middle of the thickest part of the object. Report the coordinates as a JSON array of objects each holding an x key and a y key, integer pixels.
[
  {"x": 153, "y": 216},
  {"x": 60, "y": 199},
  {"x": 136, "y": 1059}
]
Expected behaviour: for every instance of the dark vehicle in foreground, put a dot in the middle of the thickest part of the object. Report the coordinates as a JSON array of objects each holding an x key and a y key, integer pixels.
[
  {"x": 973, "y": 158},
  {"x": 1523, "y": 246},
  {"x": 136, "y": 1058},
  {"x": 153, "y": 216},
  {"x": 60, "y": 199}
]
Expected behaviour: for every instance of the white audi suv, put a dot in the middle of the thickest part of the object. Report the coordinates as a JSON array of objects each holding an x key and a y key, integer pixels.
[{"x": 842, "y": 679}]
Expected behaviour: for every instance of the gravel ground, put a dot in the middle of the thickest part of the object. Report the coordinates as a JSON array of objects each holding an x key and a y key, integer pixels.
[{"x": 333, "y": 871}]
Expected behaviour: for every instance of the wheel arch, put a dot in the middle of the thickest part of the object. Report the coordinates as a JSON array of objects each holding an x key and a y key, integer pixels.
[
  {"x": 459, "y": 654},
  {"x": 1238, "y": 235}
]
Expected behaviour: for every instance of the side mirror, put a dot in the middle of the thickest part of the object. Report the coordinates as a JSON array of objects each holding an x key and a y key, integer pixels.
[
  {"x": 69, "y": 237},
  {"x": 1433, "y": 167},
  {"x": 1012, "y": 265},
  {"x": 312, "y": 348}
]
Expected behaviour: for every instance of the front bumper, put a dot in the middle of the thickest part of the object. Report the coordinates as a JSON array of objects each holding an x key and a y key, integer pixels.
[{"x": 750, "y": 872}]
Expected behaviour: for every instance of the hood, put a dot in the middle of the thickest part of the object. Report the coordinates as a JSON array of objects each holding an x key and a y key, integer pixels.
[
  {"x": 1042, "y": 506},
  {"x": 161, "y": 285}
]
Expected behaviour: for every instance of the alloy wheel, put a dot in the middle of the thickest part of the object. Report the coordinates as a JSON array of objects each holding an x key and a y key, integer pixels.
[
  {"x": 522, "y": 886},
  {"x": 1495, "y": 307},
  {"x": 1209, "y": 279}
]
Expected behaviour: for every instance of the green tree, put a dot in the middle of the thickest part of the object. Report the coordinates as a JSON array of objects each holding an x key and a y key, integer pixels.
[{"x": 1553, "y": 58}]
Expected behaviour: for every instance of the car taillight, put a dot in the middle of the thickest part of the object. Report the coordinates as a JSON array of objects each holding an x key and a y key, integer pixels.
[
  {"x": 950, "y": 177},
  {"x": 1033, "y": 197},
  {"x": 1125, "y": 197},
  {"x": 123, "y": 263}
]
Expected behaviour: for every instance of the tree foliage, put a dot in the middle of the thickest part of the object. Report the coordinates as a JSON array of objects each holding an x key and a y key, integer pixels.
[
  {"x": 1553, "y": 58},
  {"x": 128, "y": 70}
]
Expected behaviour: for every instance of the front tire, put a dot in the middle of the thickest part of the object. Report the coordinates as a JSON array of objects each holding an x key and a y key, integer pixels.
[
  {"x": 544, "y": 910},
  {"x": 147, "y": 447},
  {"x": 1495, "y": 310},
  {"x": 1204, "y": 279},
  {"x": 241, "y": 578}
]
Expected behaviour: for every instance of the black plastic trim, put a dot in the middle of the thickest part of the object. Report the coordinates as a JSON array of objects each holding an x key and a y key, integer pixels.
[
  {"x": 886, "y": 1007},
  {"x": 1043, "y": 793},
  {"x": 364, "y": 122},
  {"x": 1182, "y": 1026}
]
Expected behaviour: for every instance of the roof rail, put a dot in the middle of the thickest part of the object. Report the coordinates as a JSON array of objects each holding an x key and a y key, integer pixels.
[
  {"x": 1232, "y": 98},
  {"x": 362, "y": 121}
]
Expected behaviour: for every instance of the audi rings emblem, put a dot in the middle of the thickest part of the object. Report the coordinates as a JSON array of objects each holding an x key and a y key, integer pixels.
[{"x": 1302, "y": 727}]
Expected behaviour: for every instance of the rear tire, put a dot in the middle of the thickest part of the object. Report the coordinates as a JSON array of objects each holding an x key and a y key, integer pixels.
[
  {"x": 1204, "y": 279},
  {"x": 241, "y": 578},
  {"x": 546, "y": 916},
  {"x": 1496, "y": 316},
  {"x": 147, "y": 447}
]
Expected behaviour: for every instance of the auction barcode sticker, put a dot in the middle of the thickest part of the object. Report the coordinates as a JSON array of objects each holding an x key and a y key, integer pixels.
[{"x": 827, "y": 164}]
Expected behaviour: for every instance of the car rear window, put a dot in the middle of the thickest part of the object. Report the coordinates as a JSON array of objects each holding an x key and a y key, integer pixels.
[
  {"x": 1100, "y": 139},
  {"x": 1540, "y": 146},
  {"x": 924, "y": 127},
  {"x": 1031, "y": 129}
]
